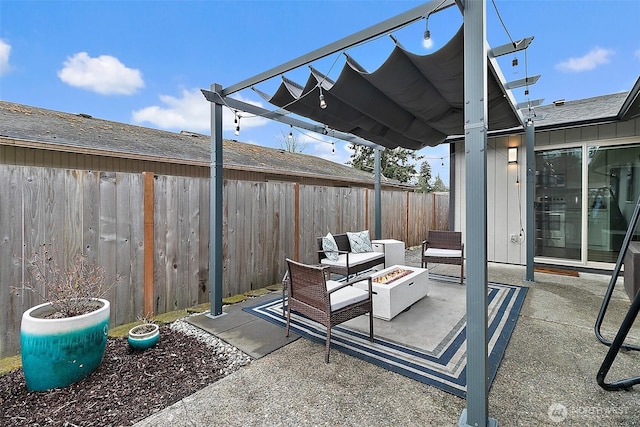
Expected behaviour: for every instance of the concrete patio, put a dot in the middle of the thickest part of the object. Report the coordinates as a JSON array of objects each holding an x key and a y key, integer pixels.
[{"x": 547, "y": 376}]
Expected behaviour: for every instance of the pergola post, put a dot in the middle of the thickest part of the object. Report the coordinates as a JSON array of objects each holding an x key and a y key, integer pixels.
[
  {"x": 475, "y": 116},
  {"x": 215, "y": 211},
  {"x": 531, "y": 188},
  {"x": 378, "y": 190}
]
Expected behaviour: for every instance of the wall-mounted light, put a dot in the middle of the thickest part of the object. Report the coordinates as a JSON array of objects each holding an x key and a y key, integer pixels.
[{"x": 512, "y": 155}]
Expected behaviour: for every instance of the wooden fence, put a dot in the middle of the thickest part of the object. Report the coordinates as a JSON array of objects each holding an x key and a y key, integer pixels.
[{"x": 153, "y": 232}]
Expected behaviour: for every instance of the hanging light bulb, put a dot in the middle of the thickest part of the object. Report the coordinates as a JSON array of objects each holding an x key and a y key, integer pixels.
[
  {"x": 323, "y": 103},
  {"x": 427, "y": 33},
  {"x": 427, "y": 42},
  {"x": 291, "y": 133},
  {"x": 333, "y": 148},
  {"x": 514, "y": 62},
  {"x": 237, "y": 122}
]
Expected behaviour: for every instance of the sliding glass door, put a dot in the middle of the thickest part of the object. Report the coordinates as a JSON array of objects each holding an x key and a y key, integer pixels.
[
  {"x": 613, "y": 187},
  {"x": 563, "y": 223}
]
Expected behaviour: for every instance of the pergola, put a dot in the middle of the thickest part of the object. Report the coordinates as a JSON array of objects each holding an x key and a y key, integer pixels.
[{"x": 411, "y": 101}]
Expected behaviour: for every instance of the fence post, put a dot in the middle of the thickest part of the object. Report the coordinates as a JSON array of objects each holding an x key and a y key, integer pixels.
[
  {"x": 433, "y": 211},
  {"x": 148, "y": 242},
  {"x": 366, "y": 209},
  {"x": 296, "y": 220}
]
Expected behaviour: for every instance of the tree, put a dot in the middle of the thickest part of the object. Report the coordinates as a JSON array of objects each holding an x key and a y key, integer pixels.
[
  {"x": 438, "y": 185},
  {"x": 394, "y": 164},
  {"x": 289, "y": 142},
  {"x": 424, "y": 177}
]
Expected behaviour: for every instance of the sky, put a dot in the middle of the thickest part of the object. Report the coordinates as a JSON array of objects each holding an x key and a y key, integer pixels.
[{"x": 144, "y": 62}]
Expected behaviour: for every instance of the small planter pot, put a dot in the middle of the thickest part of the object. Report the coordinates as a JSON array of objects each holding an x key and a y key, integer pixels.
[
  {"x": 142, "y": 337},
  {"x": 59, "y": 352}
]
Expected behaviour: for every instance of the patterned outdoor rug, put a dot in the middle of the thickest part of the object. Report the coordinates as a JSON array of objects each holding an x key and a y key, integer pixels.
[{"x": 442, "y": 365}]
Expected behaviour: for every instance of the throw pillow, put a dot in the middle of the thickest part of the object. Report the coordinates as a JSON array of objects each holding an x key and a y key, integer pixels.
[
  {"x": 328, "y": 245},
  {"x": 360, "y": 242}
]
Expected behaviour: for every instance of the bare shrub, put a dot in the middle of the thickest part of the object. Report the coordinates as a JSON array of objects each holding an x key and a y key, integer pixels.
[{"x": 71, "y": 291}]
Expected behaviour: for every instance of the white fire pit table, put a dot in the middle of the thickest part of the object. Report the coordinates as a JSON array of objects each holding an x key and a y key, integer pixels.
[{"x": 395, "y": 289}]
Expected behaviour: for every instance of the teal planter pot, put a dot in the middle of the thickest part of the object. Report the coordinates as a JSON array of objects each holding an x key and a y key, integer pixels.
[
  {"x": 59, "y": 352},
  {"x": 141, "y": 339}
]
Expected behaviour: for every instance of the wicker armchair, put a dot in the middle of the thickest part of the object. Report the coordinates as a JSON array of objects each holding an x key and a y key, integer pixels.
[
  {"x": 325, "y": 301},
  {"x": 444, "y": 247}
]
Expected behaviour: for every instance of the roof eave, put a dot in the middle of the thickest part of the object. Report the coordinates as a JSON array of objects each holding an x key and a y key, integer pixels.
[{"x": 631, "y": 105}]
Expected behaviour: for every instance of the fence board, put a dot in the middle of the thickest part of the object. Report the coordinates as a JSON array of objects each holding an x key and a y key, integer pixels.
[
  {"x": 258, "y": 226},
  {"x": 136, "y": 260},
  {"x": 107, "y": 252},
  {"x": 33, "y": 189},
  {"x": 90, "y": 215},
  {"x": 203, "y": 242},
  {"x": 160, "y": 245},
  {"x": 184, "y": 243},
  {"x": 192, "y": 226},
  {"x": 171, "y": 249},
  {"x": 245, "y": 259},
  {"x": 124, "y": 288},
  {"x": 11, "y": 302},
  {"x": 72, "y": 218},
  {"x": 230, "y": 236},
  {"x": 53, "y": 215}
]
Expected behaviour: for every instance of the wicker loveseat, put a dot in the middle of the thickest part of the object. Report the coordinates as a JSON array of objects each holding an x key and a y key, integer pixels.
[{"x": 348, "y": 262}]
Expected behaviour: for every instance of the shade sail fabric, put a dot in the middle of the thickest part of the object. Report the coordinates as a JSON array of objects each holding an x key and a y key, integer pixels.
[{"x": 410, "y": 101}]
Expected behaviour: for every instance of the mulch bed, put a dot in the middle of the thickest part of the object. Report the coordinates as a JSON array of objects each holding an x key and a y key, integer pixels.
[{"x": 127, "y": 386}]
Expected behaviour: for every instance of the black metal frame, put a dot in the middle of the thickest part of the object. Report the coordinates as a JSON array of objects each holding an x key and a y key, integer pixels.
[{"x": 618, "y": 342}]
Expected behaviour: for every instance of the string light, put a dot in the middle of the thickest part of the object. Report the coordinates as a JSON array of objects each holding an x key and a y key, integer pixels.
[
  {"x": 333, "y": 148},
  {"x": 427, "y": 43},
  {"x": 291, "y": 133},
  {"x": 237, "y": 122},
  {"x": 427, "y": 33},
  {"x": 323, "y": 103}
]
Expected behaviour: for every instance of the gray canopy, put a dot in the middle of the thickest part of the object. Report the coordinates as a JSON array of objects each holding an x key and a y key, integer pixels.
[{"x": 411, "y": 100}]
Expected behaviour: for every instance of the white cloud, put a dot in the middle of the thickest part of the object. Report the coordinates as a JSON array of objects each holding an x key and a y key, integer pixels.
[
  {"x": 591, "y": 60},
  {"x": 5, "y": 50},
  {"x": 104, "y": 74},
  {"x": 191, "y": 112}
]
